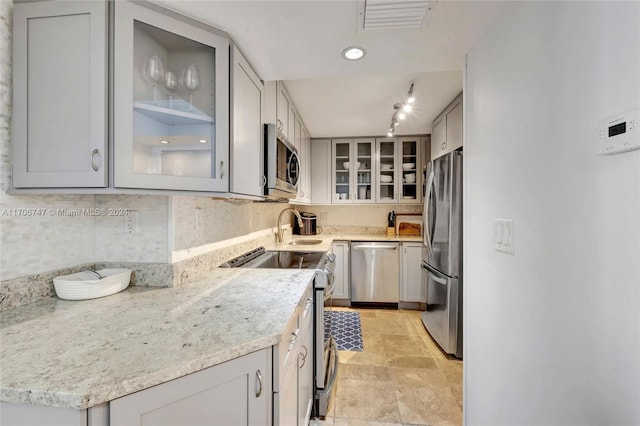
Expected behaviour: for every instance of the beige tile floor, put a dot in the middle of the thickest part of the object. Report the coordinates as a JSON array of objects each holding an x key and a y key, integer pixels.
[{"x": 402, "y": 377}]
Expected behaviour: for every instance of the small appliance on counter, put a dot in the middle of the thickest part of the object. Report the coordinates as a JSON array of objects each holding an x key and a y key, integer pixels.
[{"x": 309, "y": 222}]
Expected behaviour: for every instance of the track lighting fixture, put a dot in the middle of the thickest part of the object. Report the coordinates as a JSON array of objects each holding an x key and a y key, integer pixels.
[{"x": 401, "y": 109}]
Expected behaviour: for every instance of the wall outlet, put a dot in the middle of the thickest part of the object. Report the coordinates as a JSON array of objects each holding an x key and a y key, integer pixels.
[
  {"x": 199, "y": 219},
  {"x": 131, "y": 222},
  {"x": 503, "y": 235}
]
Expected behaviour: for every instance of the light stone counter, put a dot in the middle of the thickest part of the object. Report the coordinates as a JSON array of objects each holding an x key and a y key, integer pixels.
[{"x": 78, "y": 354}]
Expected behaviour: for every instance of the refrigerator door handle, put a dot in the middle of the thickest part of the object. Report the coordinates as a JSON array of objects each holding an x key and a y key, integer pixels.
[
  {"x": 436, "y": 278},
  {"x": 437, "y": 275},
  {"x": 427, "y": 230}
]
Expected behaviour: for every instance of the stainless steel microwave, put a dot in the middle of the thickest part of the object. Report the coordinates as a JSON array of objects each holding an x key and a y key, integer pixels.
[{"x": 281, "y": 166}]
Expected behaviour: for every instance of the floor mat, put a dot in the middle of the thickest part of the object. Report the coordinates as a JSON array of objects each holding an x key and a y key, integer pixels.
[{"x": 345, "y": 329}]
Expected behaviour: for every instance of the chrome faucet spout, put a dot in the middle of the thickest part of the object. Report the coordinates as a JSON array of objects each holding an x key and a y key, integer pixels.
[{"x": 279, "y": 231}]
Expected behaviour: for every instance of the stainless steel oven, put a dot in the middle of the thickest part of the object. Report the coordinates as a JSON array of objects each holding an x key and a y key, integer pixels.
[{"x": 325, "y": 350}]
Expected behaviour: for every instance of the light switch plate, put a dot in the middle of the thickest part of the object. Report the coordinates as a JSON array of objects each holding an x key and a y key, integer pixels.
[{"x": 503, "y": 235}]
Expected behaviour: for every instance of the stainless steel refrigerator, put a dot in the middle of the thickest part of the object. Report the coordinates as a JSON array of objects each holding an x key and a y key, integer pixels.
[{"x": 442, "y": 251}]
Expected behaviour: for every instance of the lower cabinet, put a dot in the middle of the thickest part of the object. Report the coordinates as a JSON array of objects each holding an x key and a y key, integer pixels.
[
  {"x": 341, "y": 273},
  {"x": 411, "y": 289},
  {"x": 293, "y": 370},
  {"x": 305, "y": 374},
  {"x": 237, "y": 392}
]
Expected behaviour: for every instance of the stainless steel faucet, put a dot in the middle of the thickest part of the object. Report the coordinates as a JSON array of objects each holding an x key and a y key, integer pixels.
[{"x": 279, "y": 236}]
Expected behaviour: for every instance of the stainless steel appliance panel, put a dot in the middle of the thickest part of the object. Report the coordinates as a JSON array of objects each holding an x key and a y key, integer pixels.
[
  {"x": 443, "y": 317},
  {"x": 375, "y": 273},
  {"x": 281, "y": 164},
  {"x": 442, "y": 214},
  {"x": 442, "y": 252}
]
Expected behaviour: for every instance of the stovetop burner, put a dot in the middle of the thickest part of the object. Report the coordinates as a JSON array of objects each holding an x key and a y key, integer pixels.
[{"x": 261, "y": 258}]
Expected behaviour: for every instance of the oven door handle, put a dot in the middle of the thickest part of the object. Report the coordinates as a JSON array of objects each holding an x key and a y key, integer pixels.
[
  {"x": 332, "y": 380},
  {"x": 328, "y": 293}
]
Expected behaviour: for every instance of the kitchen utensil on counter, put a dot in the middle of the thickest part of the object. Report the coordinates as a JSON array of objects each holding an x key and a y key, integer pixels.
[
  {"x": 85, "y": 284},
  {"x": 309, "y": 222}
]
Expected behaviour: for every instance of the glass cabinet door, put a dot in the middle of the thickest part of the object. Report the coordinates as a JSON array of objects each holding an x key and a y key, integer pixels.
[
  {"x": 410, "y": 156},
  {"x": 365, "y": 164},
  {"x": 387, "y": 174},
  {"x": 171, "y": 97},
  {"x": 342, "y": 165}
]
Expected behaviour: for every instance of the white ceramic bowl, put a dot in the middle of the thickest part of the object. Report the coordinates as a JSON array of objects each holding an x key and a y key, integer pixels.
[
  {"x": 86, "y": 285},
  {"x": 409, "y": 166},
  {"x": 386, "y": 166},
  {"x": 410, "y": 177},
  {"x": 386, "y": 179},
  {"x": 347, "y": 165}
]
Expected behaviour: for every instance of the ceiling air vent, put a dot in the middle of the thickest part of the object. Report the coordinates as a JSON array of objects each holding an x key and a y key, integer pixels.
[{"x": 391, "y": 14}]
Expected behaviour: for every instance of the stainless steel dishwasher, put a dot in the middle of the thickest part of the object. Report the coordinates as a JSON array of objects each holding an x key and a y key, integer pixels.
[{"x": 375, "y": 273}]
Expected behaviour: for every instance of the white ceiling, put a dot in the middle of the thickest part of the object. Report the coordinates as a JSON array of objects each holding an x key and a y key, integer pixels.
[{"x": 300, "y": 41}]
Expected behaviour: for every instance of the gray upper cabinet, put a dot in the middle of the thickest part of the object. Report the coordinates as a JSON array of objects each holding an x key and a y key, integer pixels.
[
  {"x": 284, "y": 107},
  {"x": 171, "y": 102},
  {"x": 60, "y": 95},
  {"x": 446, "y": 133},
  {"x": 247, "y": 105},
  {"x": 321, "y": 171}
]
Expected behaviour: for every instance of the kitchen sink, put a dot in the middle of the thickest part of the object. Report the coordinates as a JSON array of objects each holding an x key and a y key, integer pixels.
[{"x": 309, "y": 242}]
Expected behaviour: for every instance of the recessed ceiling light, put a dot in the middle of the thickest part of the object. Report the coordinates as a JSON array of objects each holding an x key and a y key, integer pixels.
[
  {"x": 164, "y": 141},
  {"x": 353, "y": 53},
  {"x": 202, "y": 141}
]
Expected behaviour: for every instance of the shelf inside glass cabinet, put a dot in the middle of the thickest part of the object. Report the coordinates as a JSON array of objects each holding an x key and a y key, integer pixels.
[{"x": 176, "y": 111}]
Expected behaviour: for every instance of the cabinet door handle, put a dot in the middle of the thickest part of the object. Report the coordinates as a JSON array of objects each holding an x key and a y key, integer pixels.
[
  {"x": 259, "y": 383},
  {"x": 294, "y": 336},
  {"x": 222, "y": 170},
  {"x": 264, "y": 181},
  {"x": 280, "y": 126},
  {"x": 304, "y": 357},
  {"x": 95, "y": 166}
]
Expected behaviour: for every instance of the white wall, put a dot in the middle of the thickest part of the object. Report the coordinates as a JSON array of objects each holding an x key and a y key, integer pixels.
[{"x": 552, "y": 334}]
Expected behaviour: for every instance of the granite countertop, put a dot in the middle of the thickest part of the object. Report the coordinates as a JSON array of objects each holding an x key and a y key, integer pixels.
[
  {"x": 328, "y": 238},
  {"x": 78, "y": 354}
]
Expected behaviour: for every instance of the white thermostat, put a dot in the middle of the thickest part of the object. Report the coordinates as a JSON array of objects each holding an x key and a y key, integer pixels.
[{"x": 619, "y": 133}]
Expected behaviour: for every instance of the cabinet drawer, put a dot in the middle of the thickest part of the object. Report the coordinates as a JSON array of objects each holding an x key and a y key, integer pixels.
[
  {"x": 286, "y": 352},
  {"x": 306, "y": 309}
]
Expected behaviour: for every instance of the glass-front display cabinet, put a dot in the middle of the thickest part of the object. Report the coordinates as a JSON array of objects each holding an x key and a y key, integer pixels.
[
  {"x": 410, "y": 170},
  {"x": 387, "y": 175},
  {"x": 353, "y": 171},
  {"x": 365, "y": 165},
  {"x": 171, "y": 102},
  {"x": 341, "y": 171}
]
